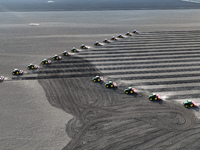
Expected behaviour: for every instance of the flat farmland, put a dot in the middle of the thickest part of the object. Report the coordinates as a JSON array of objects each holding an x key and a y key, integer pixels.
[{"x": 164, "y": 62}]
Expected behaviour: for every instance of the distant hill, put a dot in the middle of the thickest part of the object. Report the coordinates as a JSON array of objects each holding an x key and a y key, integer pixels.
[{"x": 44, "y": 5}]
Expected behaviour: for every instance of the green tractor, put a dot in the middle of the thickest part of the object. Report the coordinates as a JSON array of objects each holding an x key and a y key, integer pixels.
[
  {"x": 56, "y": 57},
  {"x": 45, "y": 62},
  {"x": 189, "y": 103},
  {"x": 17, "y": 72},
  {"x": 32, "y": 67},
  {"x": 74, "y": 50},
  {"x": 111, "y": 84},
  {"x": 97, "y": 79},
  {"x": 154, "y": 97},
  {"x": 113, "y": 38},
  {"x": 65, "y": 53},
  {"x": 83, "y": 46},
  {"x": 130, "y": 90}
]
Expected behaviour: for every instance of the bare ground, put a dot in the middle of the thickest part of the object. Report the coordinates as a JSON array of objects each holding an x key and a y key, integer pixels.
[{"x": 162, "y": 62}]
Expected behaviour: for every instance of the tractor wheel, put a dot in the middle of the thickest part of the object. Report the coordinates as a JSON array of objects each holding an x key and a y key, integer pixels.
[
  {"x": 99, "y": 80},
  {"x": 43, "y": 63},
  {"x": 111, "y": 85},
  {"x": 126, "y": 92},
  {"x": 32, "y": 67},
  {"x": 17, "y": 72},
  {"x": 107, "y": 86},
  {"x": 28, "y": 67},
  {"x": 46, "y": 62},
  {"x": 13, "y": 73},
  {"x": 94, "y": 80},
  {"x": 150, "y": 99},
  {"x": 186, "y": 106},
  {"x": 191, "y": 105},
  {"x": 155, "y": 98},
  {"x": 131, "y": 92}
]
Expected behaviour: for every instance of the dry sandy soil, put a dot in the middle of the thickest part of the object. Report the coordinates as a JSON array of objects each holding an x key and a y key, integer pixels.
[
  {"x": 165, "y": 62},
  {"x": 163, "y": 58}
]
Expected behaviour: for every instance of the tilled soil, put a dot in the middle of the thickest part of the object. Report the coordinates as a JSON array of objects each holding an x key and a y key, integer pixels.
[{"x": 163, "y": 62}]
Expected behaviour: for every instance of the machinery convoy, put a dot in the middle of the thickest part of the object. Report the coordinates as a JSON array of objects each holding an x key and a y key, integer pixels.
[
  {"x": 1, "y": 78},
  {"x": 154, "y": 97},
  {"x": 46, "y": 62},
  {"x": 56, "y": 57},
  {"x": 189, "y": 103},
  {"x": 135, "y": 32},
  {"x": 128, "y": 34},
  {"x": 65, "y": 53},
  {"x": 97, "y": 44},
  {"x": 97, "y": 79},
  {"x": 17, "y": 72},
  {"x": 110, "y": 84},
  {"x": 74, "y": 50},
  {"x": 130, "y": 90},
  {"x": 120, "y": 36},
  {"x": 113, "y": 38},
  {"x": 32, "y": 67},
  {"x": 106, "y": 41},
  {"x": 83, "y": 46}
]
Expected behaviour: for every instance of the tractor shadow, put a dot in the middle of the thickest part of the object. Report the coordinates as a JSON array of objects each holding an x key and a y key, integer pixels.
[
  {"x": 135, "y": 95},
  {"x": 196, "y": 109},
  {"x": 157, "y": 101}
]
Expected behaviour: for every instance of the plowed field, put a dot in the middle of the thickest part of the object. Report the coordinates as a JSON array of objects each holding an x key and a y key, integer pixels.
[{"x": 165, "y": 62}]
